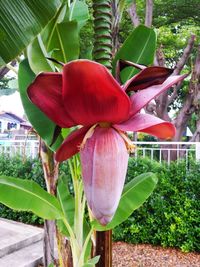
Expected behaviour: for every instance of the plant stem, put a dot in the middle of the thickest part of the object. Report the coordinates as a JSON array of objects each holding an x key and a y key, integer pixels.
[
  {"x": 78, "y": 248},
  {"x": 102, "y": 51}
]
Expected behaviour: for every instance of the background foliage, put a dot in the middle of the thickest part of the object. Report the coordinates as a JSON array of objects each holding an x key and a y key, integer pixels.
[{"x": 170, "y": 217}]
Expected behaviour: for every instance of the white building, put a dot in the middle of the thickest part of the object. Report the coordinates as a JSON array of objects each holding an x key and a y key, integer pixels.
[{"x": 9, "y": 122}]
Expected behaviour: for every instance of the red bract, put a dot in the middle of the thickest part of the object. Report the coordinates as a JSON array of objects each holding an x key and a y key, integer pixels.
[{"x": 86, "y": 94}]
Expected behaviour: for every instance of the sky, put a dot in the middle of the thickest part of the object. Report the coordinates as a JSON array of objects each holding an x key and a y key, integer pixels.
[{"x": 12, "y": 103}]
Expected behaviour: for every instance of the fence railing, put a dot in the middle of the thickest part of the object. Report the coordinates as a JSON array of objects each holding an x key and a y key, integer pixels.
[
  {"x": 167, "y": 151},
  {"x": 24, "y": 148},
  {"x": 158, "y": 151}
]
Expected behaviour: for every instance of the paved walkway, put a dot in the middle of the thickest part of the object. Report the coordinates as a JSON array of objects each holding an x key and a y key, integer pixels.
[{"x": 20, "y": 244}]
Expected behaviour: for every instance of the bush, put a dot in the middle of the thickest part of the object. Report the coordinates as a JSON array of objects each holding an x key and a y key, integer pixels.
[
  {"x": 170, "y": 217},
  {"x": 27, "y": 169},
  {"x": 30, "y": 169}
]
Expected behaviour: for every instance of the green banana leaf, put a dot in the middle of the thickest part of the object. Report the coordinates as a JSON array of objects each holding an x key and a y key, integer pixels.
[
  {"x": 61, "y": 35},
  {"x": 68, "y": 36},
  {"x": 139, "y": 47},
  {"x": 20, "y": 22},
  {"x": 37, "y": 56},
  {"x": 135, "y": 193},
  {"x": 61, "y": 41},
  {"x": 79, "y": 11},
  {"x": 42, "y": 124},
  {"x": 24, "y": 195}
]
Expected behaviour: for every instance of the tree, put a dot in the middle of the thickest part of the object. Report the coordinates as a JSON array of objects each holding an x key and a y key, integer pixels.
[{"x": 188, "y": 102}]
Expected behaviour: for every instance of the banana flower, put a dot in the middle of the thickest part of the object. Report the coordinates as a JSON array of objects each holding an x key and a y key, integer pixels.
[{"x": 86, "y": 94}]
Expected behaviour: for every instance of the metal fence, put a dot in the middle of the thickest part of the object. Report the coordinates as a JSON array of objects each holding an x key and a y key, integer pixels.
[
  {"x": 24, "y": 148},
  {"x": 158, "y": 151},
  {"x": 167, "y": 151}
]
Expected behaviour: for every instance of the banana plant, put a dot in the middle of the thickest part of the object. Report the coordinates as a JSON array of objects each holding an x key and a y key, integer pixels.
[{"x": 71, "y": 92}]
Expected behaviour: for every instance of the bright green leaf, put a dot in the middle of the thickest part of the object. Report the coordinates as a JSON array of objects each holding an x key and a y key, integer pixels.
[
  {"x": 79, "y": 12},
  {"x": 20, "y": 22},
  {"x": 62, "y": 40},
  {"x": 134, "y": 195},
  {"x": 139, "y": 47},
  {"x": 68, "y": 36},
  {"x": 37, "y": 56},
  {"x": 25, "y": 195},
  {"x": 43, "y": 125}
]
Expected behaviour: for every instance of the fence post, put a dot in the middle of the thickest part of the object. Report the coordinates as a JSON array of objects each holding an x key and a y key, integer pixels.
[{"x": 197, "y": 151}]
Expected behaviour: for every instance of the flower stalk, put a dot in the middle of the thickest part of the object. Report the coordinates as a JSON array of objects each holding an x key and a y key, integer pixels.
[{"x": 102, "y": 51}]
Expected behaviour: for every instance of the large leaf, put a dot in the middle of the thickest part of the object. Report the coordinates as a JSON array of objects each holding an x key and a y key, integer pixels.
[
  {"x": 27, "y": 195},
  {"x": 43, "y": 125},
  {"x": 37, "y": 56},
  {"x": 79, "y": 11},
  {"x": 20, "y": 22},
  {"x": 134, "y": 195},
  {"x": 61, "y": 37},
  {"x": 62, "y": 40},
  {"x": 139, "y": 47},
  {"x": 68, "y": 36}
]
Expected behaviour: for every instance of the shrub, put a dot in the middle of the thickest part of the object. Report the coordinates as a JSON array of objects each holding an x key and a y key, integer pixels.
[
  {"x": 30, "y": 169},
  {"x": 27, "y": 169},
  {"x": 170, "y": 217}
]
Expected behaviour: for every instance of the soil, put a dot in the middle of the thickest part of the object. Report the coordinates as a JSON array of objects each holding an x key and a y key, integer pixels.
[{"x": 128, "y": 255}]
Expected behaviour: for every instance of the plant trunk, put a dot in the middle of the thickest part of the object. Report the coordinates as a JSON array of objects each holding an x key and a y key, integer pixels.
[
  {"x": 48, "y": 243},
  {"x": 104, "y": 248},
  {"x": 64, "y": 250},
  {"x": 102, "y": 53},
  {"x": 50, "y": 168}
]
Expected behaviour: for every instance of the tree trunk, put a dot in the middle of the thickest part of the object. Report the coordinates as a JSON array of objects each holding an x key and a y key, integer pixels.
[
  {"x": 149, "y": 13},
  {"x": 133, "y": 15},
  {"x": 115, "y": 26},
  {"x": 191, "y": 104}
]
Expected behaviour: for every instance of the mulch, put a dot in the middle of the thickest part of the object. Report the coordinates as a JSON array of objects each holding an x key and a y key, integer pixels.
[{"x": 143, "y": 255}]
